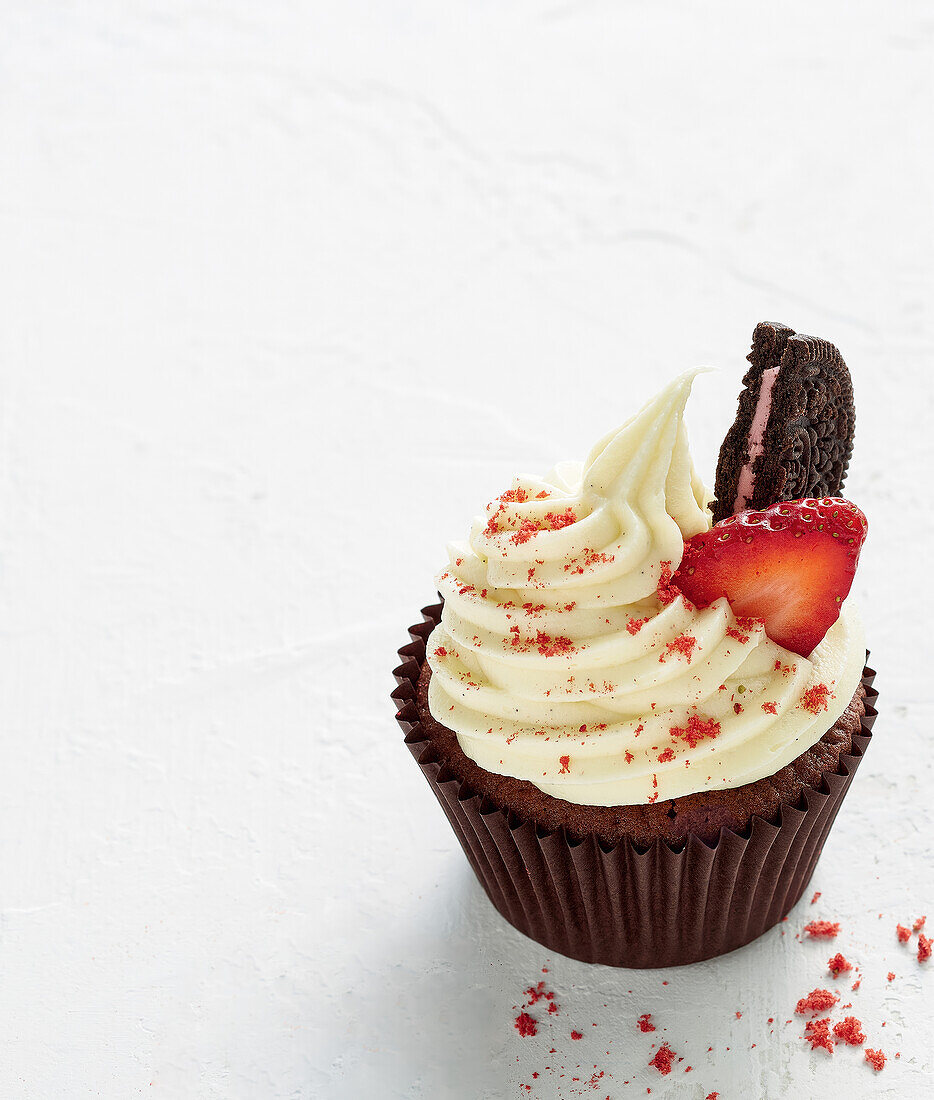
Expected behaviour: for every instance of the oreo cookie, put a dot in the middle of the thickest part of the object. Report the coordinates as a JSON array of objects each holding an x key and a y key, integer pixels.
[{"x": 794, "y": 427}]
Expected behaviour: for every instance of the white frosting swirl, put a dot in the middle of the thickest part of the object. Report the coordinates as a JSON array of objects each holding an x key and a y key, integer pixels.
[{"x": 562, "y": 658}]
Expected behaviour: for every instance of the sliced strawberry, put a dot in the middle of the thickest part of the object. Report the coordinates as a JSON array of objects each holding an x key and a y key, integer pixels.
[{"x": 791, "y": 566}]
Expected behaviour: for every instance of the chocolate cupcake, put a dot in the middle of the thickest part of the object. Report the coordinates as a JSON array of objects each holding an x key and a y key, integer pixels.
[{"x": 640, "y": 759}]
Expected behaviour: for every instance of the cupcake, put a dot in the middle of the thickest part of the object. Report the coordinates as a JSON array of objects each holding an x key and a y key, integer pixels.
[{"x": 641, "y": 723}]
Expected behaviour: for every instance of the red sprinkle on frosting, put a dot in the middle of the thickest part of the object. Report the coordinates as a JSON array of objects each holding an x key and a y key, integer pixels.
[
  {"x": 635, "y": 625},
  {"x": 576, "y": 1035},
  {"x": 815, "y": 698},
  {"x": 696, "y": 730},
  {"x": 903, "y": 933},
  {"x": 683, "y": 645},
  {"x": 924, "y": 947},
  {"x": 664, "y": 757},
  {"x": 645, "y": 1022},
  {"x": 565, "y": 762},
  {"x": 770, "y": 708},
  {"x": 918, "y": 924}
]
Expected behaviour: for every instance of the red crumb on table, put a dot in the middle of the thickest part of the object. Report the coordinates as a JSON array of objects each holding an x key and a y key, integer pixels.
[
  {"x": 565, "y": 762},
  {"x": 818, "y": 1000},
  {"x": 684, "y": 645},
  {"x": 891, "y": 975},
  {"x": 918, "y": 924},
  {"x": 712, "y": 1096},
  {"x": 635, "y": 625},
  {"x": 924, "y": 947},
  {"x": 664, "y": 757},
  {"x": 817, "y": 1033},
  {"x": 815, "y": 698},
  {"x": 850, "y": 1030},
  {"x": 739, "y": 1015},
  {"x": 526, "y": 1025},
  {"x": 552, "y": 1008},
  {"x": 838, "y": 965},
  {"x": 663, "y": 1059},
  {"x": 816, "y": 896},
  {"x": 645, "y": 1022},
  {"x": 696, "y": 730},
  {"x": 822, "y": 929},
  {"x": 903, "y": 933},
  {"x": 576, "y": 1035},
  {"x": 875, "y": 1058}
]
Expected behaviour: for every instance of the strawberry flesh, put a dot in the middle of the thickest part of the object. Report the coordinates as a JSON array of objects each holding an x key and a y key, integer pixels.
[{"x": 790, "y": 565}]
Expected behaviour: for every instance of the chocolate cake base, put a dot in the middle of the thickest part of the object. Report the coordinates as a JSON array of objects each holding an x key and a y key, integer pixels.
[{"x": 626, "y": 886}]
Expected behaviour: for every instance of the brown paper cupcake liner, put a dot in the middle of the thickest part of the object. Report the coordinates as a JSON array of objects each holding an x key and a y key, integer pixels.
[{"x": 627, "y": 904}]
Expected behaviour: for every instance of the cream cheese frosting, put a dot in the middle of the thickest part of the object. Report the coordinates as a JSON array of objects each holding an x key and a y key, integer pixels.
[{"x": 564, "y": 657}]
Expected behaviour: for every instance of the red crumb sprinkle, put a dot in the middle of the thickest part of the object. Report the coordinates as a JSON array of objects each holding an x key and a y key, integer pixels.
[
  {"x": 822, "y": 929},
  {"x": 441, "y": 651},
  {"x": 815, "y": 698},
  {"x": 817, "y": 1033},
  {"x": 565, "y": 762},
  {"x": 903, "y": 933},
  {"x": 924, "y": 947},
  {"x": 771, "y": 708},
  {"x": 635, "y": 625},
  {"x": 553, "y": 647},
  {"x": 576, "y": 1035},
  {"x": 696, "y": 730},
  {"x": 875, "y": 1058},
  {"x": 645, "y": 1022},
  {"x": 850, "y": 1030},
  {"x": 663, "y": 1059},
  {"x": 526, "y": 1025},
  {"x": 856, "y": 984},
  {"x": 553, "y": 1008},
  {"x": 838, "y": 965},
  {"x": 818, "y": 1000},
  {"x": 891, "y": 975},
  {"x": 732, "y": 632},
  {"x": 666, "y": 591},
  {"x": 664, "y": 757},
  {"x": 629, "y": 757},
  {"x": 739, "y": 1015},
  {"x": 918, "y": 924},
  {"x": 684, "y": 645},
  {"x": 712, "y": 1096},
  {"x": 816, "y": 896}
]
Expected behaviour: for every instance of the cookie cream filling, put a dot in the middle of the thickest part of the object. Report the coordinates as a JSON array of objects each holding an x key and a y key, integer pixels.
[
  {"x": 564, "y": 657},
  {"x": 746, "y": 483}
]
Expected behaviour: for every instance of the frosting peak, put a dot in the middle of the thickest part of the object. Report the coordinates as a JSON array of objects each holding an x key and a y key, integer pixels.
[{"x": 563, "y": 656}]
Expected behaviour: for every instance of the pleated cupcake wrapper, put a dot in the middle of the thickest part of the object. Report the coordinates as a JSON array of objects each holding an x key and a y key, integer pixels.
[{"x": 625, "y": 904}]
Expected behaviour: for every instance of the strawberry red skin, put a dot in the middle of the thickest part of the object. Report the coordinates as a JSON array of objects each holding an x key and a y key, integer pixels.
[{"x": 790, "y": 565}]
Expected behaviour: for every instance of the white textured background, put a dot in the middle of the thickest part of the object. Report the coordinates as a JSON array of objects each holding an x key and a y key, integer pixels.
[{"x": 288, "y": 291}]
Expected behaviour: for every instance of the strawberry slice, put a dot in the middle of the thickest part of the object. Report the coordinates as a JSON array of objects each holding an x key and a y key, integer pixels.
[{"x": 791, "y": 566}]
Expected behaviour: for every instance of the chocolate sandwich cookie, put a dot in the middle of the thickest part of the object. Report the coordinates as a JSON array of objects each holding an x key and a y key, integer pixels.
[{"x": 794, "y": 427}]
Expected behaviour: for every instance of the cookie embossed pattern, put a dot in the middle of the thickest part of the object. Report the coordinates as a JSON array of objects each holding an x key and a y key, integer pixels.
[{"x": 641, "y": 726}]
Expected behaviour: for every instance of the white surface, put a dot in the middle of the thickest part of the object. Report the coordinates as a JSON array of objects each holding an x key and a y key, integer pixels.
[{"x": 288, "y": 291}]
